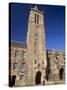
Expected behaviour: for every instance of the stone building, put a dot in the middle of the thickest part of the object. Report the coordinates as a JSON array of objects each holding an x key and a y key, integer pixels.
[
  {"x": 55, "y": 70},
  {"x": 36, "y": 47},
  {"x": 17, "y": 64},
  {"x": 30, "y": 63}
]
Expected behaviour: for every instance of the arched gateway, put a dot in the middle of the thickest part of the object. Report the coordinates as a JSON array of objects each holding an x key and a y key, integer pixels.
[
  {"x": 38, "y": 78},
  {"x": 61, "y": 73}
]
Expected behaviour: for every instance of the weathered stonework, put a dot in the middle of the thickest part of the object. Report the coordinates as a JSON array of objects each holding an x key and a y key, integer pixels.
[
  {"x": 36, "y": 46},
  {"x": 30, "y": 63},
  {"x": 18, "y": 63},
  {"x": 56, "y": 67}
]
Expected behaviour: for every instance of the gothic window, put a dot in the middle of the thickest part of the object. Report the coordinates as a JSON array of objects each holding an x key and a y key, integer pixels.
[
  {"x": 23, "y": 66},
  {"x": 18, "y": 54},
  {"x": 21, "y": 77},
  {"x": 37, "y": 18},
  {"x": 14, "y": 65},
  {"x": 23, "y": 54}
]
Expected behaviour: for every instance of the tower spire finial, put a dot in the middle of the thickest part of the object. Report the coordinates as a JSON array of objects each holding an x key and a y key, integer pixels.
[{"x": 35, "y": 7}]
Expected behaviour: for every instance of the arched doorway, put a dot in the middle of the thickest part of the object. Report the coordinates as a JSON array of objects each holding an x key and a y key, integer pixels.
[
  {"x": 38, "y": 78},
  {"x": 61, "y": 73},
  {"x": 13, "y": 80}
]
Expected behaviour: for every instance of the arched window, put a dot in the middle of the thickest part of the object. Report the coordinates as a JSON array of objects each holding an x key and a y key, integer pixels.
[
  {"x": 37, "y": 18},
  {"x": 14, "y": 65}
]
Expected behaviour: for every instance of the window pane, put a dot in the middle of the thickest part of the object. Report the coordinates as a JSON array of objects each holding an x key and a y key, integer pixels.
[
  {"x": 21, "y": 77},
  {"x": 23, "y": 66},
  {"x": 37, "y": 19},
  {"x": 23, "y": 54},
  {"x": 14, "y": 65},
  {"x": 18, "y": 54}
]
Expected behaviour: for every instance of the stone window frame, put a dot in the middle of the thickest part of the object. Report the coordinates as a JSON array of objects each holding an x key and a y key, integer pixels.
[
  {"x": 18, "y": 54},
  {"x": 36, "y": 18},
  {"x": 22, "y": 77},
  {"x": 23, "y": 54},
  {"x": 14, "y": 65},
  {"x": 22, "y": 67}
]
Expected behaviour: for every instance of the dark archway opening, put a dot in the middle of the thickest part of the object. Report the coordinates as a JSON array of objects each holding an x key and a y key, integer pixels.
[
  {"x": 47, "y": 73},
  {"x": 10, "y": 80},
  {"x": 61, "y": 73},
  {"x": 38, "y": 78},
  {"x": 13, "y": 80}
]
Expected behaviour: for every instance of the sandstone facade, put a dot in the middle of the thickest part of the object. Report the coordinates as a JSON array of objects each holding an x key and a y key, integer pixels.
[{"x": 30, "y": 63}]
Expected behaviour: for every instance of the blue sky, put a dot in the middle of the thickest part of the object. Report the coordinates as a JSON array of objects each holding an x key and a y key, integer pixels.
[{"x": 54, "y": 18}]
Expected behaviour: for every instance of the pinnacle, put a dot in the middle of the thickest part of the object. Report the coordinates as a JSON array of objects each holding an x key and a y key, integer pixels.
[{"x": 35, "y": 8}]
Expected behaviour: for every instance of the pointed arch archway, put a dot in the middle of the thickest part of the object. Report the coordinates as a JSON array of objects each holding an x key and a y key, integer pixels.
[
  {"x": 38, "y": 78},
  {"x": 61, "y": 71}
]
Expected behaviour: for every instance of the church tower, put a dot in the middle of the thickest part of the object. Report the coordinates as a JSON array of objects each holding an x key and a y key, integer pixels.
[{"x": 36, "y": 50}]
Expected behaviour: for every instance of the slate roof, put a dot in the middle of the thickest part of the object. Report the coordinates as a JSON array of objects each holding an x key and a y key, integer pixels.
[{"x": 18, "y": 44}]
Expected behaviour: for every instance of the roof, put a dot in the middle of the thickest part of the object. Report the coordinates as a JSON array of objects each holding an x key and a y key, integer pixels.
[
  {"x": 18, "y": 44},
  {"x": 56, "y": 52},
  {"x": 36, "y": 9}
]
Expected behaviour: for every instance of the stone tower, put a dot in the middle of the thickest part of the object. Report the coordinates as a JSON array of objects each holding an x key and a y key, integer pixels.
[{"x": 36, "y": 57}]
